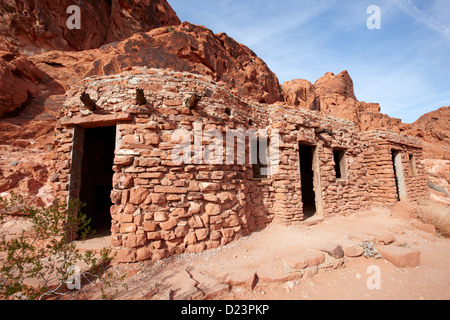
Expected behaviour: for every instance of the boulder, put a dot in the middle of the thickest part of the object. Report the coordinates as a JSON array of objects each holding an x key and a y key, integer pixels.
[{"x": 400, "y": 256}]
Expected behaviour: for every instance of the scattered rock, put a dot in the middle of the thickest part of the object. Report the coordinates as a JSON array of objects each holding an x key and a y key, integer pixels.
[
  {"x": 294, "y": 262},
  {"x": 310, "y": 272},
  {"x": 239, "y": 277},
  {"x": 383, "y": 237},
  {"x": 270, "y": 273},
  {"x": 353, "y": 251},
  {"x": 360, "y": 237},
  {"x": 314, "y": 257},
  {"x": 400, "y": 256},
  {"x": 333, "y": 249}
]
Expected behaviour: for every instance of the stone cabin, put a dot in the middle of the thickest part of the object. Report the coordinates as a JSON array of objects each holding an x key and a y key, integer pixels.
[{"x": 155, "y": 207}]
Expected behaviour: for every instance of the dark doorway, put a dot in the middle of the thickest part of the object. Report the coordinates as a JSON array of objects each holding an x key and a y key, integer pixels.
[
  {"x": 96, "y": 177},
  {"x": 395, "y": 173},
  {"x": 307, "y": 180},
  {"x": 399, "y": 177}
]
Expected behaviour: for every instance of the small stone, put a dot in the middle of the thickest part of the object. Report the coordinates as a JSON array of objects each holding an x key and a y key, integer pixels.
[
  {"x": 212, "y": 209},
  {"x": 353, "y": 251},
  {"x": 333, "y": 249}
]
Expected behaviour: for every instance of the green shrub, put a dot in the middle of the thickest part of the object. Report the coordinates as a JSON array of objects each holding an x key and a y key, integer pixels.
[{"x": 44, "y": 254}]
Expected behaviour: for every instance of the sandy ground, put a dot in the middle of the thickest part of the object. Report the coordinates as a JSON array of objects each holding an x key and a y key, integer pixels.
[{"x": 429, "y": 281}]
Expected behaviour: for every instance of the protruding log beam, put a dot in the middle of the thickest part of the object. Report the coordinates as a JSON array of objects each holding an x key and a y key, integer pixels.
[
  {"x": 140, "y": 97},
  {"x": 193, "y": 101},
  {"x": 323, "y": 130},
  {"x": 88, "y": 102}
]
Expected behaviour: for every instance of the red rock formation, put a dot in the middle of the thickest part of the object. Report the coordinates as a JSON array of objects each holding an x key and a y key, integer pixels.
[
  {"x": 332, "y": 95},
  {"x": 19, "y": 81},
  {"x": 37, "y": 26},
  {"x": 186, "y": 47},
  {"x": 434, "y": 129},
  {"x": 300, "y": 93}
]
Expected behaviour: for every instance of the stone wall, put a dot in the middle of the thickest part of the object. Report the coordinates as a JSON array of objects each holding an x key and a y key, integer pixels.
[
  {"x": 381, "y": 177},
  {"x": 161, "y": 208}
]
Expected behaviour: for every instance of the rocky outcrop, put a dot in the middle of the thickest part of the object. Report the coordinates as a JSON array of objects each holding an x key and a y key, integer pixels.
[
  {"x": 34, "y": 27},
  {"x": 186, "y": 47},
  {"x": 334, "y": 95},
  {"x": 224, "y": 59},
  {"x": 20, "y": 80},
  {"x": 301, "y": 93},
  {"x": 434, "y": 129}
]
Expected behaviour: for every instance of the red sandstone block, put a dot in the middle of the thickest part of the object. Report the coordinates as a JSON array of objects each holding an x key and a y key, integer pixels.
[
  {"x": 170, "y": 224},
  {"x": 143, "y": 254},
  {"x": 123, "y": 161},
  {"x": 196, "y": 248},
  {"x": 150, "y": 226},
  {"x": 161, "y": 216},
  {"x": 152, "y": 139},
  {"x": 228, "y": 233},
  {"x": 138, "y": 196},
  {"x": 314, "y": 257},
  {"x": 149, "y": 162},
  {"x": 400, "y": 256},
  {"x": 167, "y": 189},
  {"x": 127, "y": 228},
  {"x": 212, "y": 209},
  {"x": 159, "y": 254},
  {"x": 125, "y": 256},
  {"x": 201, "y": 234},
  {"x": 181, "y": 231},
  {"x": 134, "y": 241}
]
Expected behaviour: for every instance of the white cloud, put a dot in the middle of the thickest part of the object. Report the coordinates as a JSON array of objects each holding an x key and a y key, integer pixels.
[{"x": 432, "y": 22}]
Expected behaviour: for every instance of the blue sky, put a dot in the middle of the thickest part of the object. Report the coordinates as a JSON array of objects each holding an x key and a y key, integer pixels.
[{"x": 404, "y": 66}]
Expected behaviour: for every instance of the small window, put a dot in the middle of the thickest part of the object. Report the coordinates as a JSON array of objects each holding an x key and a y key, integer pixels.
[
  {"x": 412, "y": 165},
  {"x": 261, "y": 168},
  {"x": 228, "y": 111},
  {"x": 340, "y": 165}
]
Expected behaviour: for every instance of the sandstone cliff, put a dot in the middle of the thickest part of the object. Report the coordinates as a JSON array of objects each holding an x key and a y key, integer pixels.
[{"x": 38, "y": 26}]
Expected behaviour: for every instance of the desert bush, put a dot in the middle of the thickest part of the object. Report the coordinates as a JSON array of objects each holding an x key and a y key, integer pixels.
[
  {"x": 44, "y": 254},
  {"x": 437, "y": 214}
]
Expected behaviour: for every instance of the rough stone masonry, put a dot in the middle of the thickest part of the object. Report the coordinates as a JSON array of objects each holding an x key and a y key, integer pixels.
[{"x": 326, "y": 166}]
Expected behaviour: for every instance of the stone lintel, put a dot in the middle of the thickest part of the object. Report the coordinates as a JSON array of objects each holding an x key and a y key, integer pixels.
[{"x": 94, "y": 121}]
